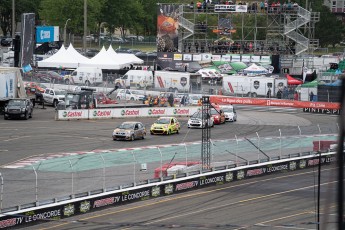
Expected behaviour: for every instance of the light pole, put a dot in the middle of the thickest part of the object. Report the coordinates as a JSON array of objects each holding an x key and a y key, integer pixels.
[
  {"x": 85, "y": 25},
  {"x": 13, "y": 18},
  {"x": 64, "y": 32}
]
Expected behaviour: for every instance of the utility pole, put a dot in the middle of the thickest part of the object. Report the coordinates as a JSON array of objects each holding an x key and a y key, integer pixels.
[
  {"x": 13, "y": 18},
  {"x": 85, "y": 25}
]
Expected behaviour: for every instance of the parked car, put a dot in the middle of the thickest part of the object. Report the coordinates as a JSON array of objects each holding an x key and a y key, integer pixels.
[
  {"x": 18, "y": 108},
  {"x": 129, "y": 130},
  {"x": 135, "y": 38},
  {"x": 194, "y": 99},
  {"x": 6, "y": 41},
  {"x": 122, "y": 50},
  {"x": 165, "y": 125},
  {"x": 134, "y": 51},
  {"x": 91, "y": 52},
  {"x": 117, "y": 40},
  {"x": 48, "y": 76},
  {"x": 197, "y": 120},
  {"x": 218, "y": 116},
  {"x": 229, "y": 112},
  {"x": 127, "y": 94},
  {"x": 53, "y": 96}
]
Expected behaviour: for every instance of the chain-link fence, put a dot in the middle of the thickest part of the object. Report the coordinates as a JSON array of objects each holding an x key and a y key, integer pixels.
[{"x": 50, "y": 178}]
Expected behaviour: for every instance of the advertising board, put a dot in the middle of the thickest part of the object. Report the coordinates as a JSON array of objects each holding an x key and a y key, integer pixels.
[
  {"x": 125, "y": 113},
  {"x": 47, "y": 34}
]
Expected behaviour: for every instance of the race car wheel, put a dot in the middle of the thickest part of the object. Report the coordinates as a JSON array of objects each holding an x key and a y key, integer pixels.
[
  {"x": 143, "y": 137},
  {"x": 132, "y": 137},
  {"x": 169, "y": 132},
  {"x": 178, "y": 131},
  {"x": 151, "y": 133}
]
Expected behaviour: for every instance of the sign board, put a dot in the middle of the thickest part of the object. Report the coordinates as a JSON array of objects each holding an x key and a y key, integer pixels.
[{"x": 47, "y": 34}]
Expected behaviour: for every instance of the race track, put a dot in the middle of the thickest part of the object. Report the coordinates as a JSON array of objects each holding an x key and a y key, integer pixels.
[{"x": 48, "y": 146}]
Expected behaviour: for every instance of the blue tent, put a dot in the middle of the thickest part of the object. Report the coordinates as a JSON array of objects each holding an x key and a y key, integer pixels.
[{"x": 336, "y": 83}]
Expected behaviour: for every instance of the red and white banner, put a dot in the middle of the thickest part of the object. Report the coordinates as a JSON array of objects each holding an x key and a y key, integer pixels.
[{"x": 224, "y": 100}]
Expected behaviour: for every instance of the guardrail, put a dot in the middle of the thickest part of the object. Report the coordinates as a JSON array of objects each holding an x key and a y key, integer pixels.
[{"x": 93, "y": 201}]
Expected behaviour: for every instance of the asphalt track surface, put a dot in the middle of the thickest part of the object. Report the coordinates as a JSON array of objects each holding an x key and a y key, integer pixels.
[
  {"x": 20, "y": 139},
  {"x": 278, "y": 201}
]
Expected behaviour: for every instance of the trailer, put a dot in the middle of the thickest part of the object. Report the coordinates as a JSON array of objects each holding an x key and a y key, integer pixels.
[
  {"x": 176, "y": 81},
  {"x": 256, "y": 86},
  {"x": 11, "y": 85}
]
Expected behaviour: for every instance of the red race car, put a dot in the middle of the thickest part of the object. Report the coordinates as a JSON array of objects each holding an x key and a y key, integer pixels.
[{"x": 218, "y": 116}]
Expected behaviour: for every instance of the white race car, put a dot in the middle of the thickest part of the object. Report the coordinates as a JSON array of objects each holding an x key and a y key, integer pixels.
[
  {"x": 229, "y": 112},
  {"x": 195, "y": 121}
]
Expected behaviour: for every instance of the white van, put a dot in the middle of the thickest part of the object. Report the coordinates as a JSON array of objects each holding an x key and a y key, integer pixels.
[
  {"x": 136, "y": 78},
  {"x": 85, "y": 76}
]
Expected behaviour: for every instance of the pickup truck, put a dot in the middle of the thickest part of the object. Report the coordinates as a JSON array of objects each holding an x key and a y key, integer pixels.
[
  {"x": 18, "y": 108},
  {"x": 53, "y": 96}
]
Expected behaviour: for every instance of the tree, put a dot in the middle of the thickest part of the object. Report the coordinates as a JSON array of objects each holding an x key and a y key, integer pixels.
[
  {"x": 56, "y": 13},
  {"x": 124, "y": 14},
  {"x": 330, "y": 29},
  {"x": 21, "y": 6}
]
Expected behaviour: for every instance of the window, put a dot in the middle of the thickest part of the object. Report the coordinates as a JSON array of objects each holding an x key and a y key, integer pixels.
[{"x": 334, "y": 4}]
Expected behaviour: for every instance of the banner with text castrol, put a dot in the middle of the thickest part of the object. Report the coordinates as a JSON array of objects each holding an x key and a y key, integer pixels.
[{"x": 125, "y": 113}]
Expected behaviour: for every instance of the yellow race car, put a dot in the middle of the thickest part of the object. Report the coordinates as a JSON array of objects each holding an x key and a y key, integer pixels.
[{"x": 165, "y": 125}]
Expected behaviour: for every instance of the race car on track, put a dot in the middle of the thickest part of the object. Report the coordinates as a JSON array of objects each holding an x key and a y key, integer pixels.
[
  {"x": 196, "y": 120},
  {"x": 230, "y": 113},
  {"x": 165, "y": 125},
  {"x": 129, "y": 130},
  {"x": 218, "y": 116}
]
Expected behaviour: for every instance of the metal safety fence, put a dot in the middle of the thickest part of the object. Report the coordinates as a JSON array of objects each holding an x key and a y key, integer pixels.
[{"x": 51, "y": 178}]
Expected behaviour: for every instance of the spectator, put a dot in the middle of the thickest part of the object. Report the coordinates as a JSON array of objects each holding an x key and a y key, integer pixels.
[
  {"x": 269, "y": 93},
  {"x": 171, "y": 100},
  {"x": 279, "y": 94},
  {"x": 183, "y": 100},
  {"x": 199, "y": 6},
  {"x": 311, "y": 95},
  {"x": 191, "y": 6},
  {"x": 296, "y": 97}
]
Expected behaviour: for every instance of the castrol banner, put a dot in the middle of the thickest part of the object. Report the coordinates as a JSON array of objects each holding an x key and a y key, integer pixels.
[
  {"x": 73, "y": 114},
  {"x": 125, "y": 112},
  {"x": 224, "y": 100}
]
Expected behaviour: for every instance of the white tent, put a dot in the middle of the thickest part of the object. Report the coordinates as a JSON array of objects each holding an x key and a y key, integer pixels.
[
  {"x": 79, "y": 58},
  {"x": 255, "y": 69},
  {"x": 130, "y": 58},
  {"x": 69, "y": 58},
  {"x": 105, "y": 61}
]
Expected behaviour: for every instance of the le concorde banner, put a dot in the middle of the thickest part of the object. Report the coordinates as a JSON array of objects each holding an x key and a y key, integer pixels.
[
  {"x": 225, "y": 100},
  {"x": 87, "y": 205}
]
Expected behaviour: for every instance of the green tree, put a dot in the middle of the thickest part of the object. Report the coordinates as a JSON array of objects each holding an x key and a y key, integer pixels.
[
  {"x": 57, "y": 12},
  {"x": 21, "y": 6},
  {"x": 123, "y": 15},
  {"x": 330, "y": 29}
]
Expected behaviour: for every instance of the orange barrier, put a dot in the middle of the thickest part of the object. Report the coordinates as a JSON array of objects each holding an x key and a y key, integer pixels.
[{"x": 226, "y": 100}]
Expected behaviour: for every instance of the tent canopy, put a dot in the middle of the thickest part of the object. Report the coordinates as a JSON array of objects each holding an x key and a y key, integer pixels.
[
  {"x": 293, "y": 81},
  {"x": 255, "y": 69},
  {"x": 69, "y": 58},
  {"x": 104, "y": 60},
  {"x": 238, "y": 65},
  {"x": 312, "y": 84}
]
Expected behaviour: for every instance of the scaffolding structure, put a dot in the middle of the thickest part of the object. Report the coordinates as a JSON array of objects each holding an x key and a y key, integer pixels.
[{"x": 273, "y": 30}]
